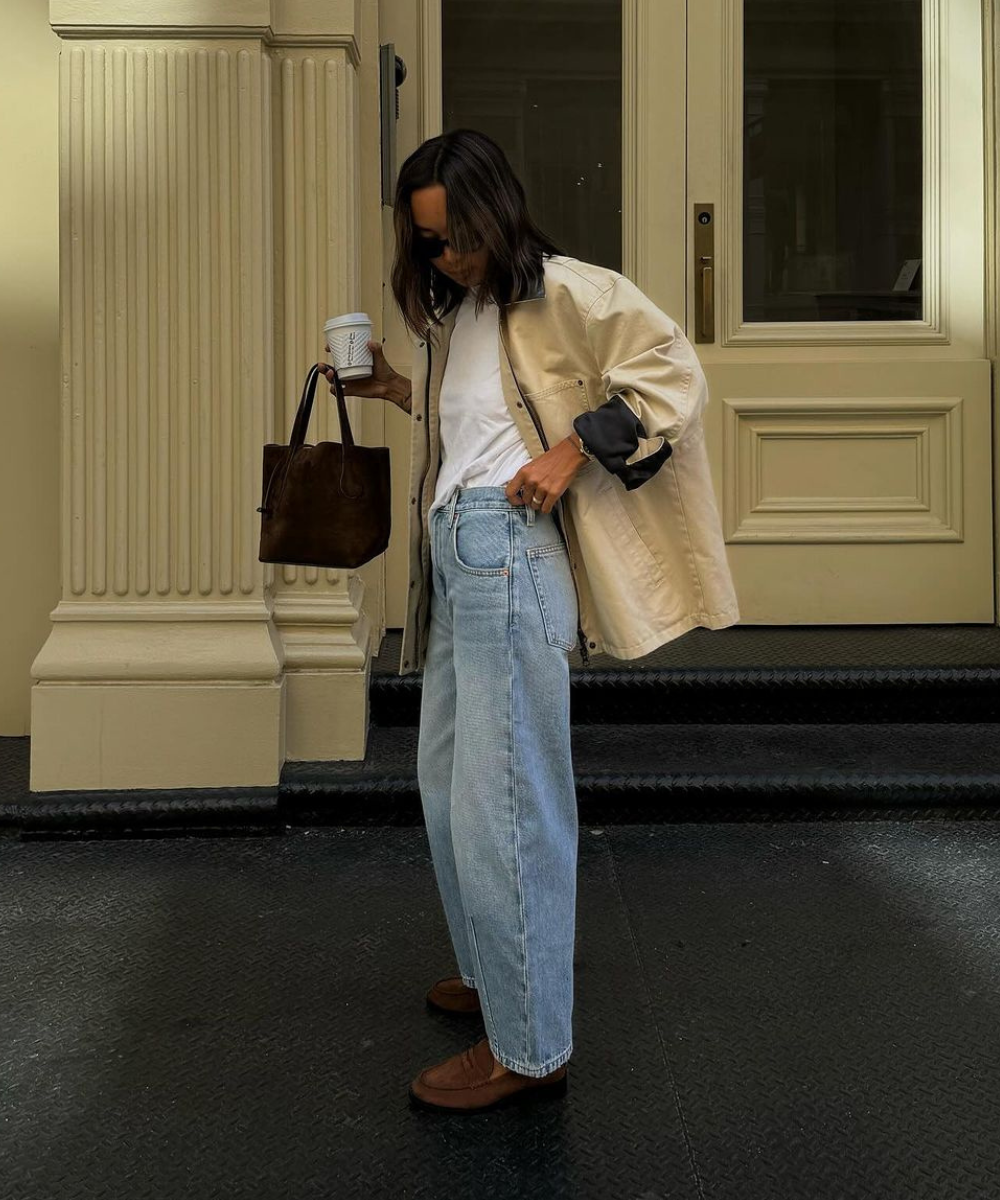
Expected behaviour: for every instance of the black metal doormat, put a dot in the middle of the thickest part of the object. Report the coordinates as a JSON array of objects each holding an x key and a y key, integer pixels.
[{"x": 761, "y": 1012}]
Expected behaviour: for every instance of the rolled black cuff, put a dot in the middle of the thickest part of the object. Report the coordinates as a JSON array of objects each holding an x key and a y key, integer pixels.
[{"x": 612, "y": 432}]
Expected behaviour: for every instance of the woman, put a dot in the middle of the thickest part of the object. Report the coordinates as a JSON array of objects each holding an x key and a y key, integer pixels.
[{"x": 498, "y": 596}]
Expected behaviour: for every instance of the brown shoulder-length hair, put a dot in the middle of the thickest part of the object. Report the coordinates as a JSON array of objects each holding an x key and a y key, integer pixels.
[{"x": 486, "y": 206}]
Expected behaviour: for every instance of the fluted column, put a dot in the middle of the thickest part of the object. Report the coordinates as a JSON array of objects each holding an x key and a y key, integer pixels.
[
  {"x": 163, "y": 668},
  {"x": 210, "y": 176},
  {"x": 320, "y": 614}
]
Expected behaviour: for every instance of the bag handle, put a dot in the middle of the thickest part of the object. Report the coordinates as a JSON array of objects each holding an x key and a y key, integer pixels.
[
  {"x": 299, "y": 427},
  {"x": 305, "y": 409}
]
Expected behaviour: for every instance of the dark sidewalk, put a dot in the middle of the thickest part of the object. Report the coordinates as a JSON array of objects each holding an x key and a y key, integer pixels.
[{"x": 784, "y": 1010}]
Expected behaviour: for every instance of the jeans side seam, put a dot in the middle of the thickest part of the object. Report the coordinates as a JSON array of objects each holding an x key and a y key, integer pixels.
[
  {"x": 513, "y": 634},
  {"x": 484, "y": 999}
]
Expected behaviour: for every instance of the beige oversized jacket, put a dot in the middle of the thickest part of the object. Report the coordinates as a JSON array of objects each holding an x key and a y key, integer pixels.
[{"x": 591, "y": 351}]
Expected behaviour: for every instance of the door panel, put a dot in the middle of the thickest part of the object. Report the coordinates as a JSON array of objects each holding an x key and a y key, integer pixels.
[
  {"x": 544, "y": 79},
  {"x": 840, "y": 145},
  {"x": 404, "y": 23},
  {"x": 849, "y": 427}
]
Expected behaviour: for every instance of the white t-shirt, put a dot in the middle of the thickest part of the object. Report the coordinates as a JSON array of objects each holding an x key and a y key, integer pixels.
[{"x": 480, "y": 444}]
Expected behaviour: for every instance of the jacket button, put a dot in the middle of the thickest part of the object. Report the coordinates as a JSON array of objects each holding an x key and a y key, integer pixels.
[
  {"x": 420, "y": 416},
  {"x": 519, "y": 404},
  {"x": 413, "y": 499},
  {"x": 413, "y": 583},
  {"x": 593, "y": 645},
  {"x": 580, "y": 382},
  {"x": 406, "y": 662}
]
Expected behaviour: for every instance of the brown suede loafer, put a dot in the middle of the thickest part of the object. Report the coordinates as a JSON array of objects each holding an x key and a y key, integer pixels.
[
  {"x": 473, "y": 1081},
  {"x": 453, "y": 996}
]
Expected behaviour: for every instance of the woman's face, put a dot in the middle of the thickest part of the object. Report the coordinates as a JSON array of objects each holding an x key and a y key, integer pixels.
[{"x": 429, "y": 207}]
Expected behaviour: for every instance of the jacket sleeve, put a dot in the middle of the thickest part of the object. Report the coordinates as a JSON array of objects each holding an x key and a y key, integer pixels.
[{"x": 654, "y": 382}]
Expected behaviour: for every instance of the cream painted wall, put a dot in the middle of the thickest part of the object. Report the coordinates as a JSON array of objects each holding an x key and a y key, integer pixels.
[{"x": 29, "y": 349}]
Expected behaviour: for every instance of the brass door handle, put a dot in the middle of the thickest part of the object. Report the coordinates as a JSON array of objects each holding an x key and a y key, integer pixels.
[
  {"x": 707, "y": 302},
  {"x": 704, "y": 279}
]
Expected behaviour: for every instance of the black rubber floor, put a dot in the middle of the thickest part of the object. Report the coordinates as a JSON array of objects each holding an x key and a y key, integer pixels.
[{"x": 793, "y": 1010}]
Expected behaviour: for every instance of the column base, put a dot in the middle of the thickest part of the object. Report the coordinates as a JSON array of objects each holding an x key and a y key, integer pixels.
[
  {"x": 327, "y": 715},
  {"x": 102, "y": 737},
  {"x": 326, "y": 646},
  {"x": 126, "y": 702}
]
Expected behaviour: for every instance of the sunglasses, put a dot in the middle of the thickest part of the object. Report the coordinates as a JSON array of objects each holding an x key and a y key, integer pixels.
[{"x": 433, "y": 247}]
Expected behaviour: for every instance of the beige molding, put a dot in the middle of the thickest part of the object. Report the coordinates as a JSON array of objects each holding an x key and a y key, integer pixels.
[
  {"x": 193, "y": 14},
  {"x": 168, "y": 610},
  {"x": 919, "y": 493},
  {"x": 328, "y": 23},
  {"x": 430, "y": 68},
  {"x": 991, "y": 132},
  {"x": 323, "y": 630},
  {"x": 316, "y": 18},
  {"x": 991, "y": 190},
  {"x": 120, "y": 652},
  {"x": 654, "y": 131}
]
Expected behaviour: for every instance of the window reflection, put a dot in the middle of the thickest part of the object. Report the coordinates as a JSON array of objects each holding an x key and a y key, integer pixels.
[
  {"x": 832, "y": 142},
  {"x": 543, "y": 79}
]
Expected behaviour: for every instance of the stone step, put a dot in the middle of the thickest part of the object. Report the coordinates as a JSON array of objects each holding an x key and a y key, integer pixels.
[{"x": 670, "y": 772}]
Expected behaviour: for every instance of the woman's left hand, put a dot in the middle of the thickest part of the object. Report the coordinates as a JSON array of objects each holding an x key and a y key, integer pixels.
[{"x": 546, "y": 478}]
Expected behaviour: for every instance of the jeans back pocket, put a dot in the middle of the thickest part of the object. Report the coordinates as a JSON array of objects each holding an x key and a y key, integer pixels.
[{"x": 553, "y": 580}]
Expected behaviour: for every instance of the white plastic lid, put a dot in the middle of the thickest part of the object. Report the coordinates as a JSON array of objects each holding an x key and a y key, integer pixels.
[{"x": 346, "y": 319}]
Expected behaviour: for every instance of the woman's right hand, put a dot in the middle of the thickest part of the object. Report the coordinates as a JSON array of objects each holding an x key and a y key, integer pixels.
[{"x": 373, "y": 386}]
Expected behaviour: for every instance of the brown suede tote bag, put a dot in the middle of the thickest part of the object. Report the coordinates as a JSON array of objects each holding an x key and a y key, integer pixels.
[{"x": 326, "y": 505}]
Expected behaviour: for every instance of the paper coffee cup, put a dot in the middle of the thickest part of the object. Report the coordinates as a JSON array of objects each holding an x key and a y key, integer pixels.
[{"x": 348, "y": 336}]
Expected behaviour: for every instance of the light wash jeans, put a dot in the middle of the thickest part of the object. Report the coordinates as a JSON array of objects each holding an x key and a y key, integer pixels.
[{"x": 495, "y": 769}]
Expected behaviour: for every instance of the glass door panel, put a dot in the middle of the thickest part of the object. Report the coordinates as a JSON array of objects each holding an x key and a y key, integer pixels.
[
  {"x": 543, "y": 79},
  {"x": 833, "y": 170}
]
